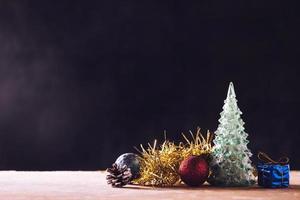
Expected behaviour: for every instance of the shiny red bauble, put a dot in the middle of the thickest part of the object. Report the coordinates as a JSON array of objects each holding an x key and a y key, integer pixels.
[{"x": 194, "y": 170}]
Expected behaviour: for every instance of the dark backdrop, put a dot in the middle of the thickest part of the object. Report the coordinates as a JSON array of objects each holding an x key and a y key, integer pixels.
[{"x": 82, "y": 82}]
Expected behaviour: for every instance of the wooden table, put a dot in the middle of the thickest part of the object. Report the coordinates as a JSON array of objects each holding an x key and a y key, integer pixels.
[{"x": 71, "y": 185}]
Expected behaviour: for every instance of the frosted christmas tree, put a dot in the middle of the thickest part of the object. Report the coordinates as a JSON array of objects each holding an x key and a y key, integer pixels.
[{"x": 231, "y": 164}]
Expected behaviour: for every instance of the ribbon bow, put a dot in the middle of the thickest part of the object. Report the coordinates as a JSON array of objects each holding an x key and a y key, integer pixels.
[{"x": 267, "y": 160}]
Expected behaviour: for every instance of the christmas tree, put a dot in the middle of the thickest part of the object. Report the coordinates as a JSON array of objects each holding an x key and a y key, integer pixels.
[{"x": 231, "y": 164}]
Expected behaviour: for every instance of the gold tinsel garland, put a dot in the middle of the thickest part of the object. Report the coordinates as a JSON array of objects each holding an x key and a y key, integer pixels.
[{"x": 159, "y": 165}]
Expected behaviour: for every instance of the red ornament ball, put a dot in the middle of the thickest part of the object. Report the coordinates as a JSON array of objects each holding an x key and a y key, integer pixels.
[{"x": 194, "y": 170}]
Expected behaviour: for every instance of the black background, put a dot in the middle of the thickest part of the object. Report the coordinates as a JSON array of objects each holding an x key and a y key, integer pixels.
[{"x": 83, "y": 82}]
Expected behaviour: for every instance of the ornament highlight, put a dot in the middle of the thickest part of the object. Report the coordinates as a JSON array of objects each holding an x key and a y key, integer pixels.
[
  {"x": 194, "y": 170},
  {"x": 132, "y": 161}
]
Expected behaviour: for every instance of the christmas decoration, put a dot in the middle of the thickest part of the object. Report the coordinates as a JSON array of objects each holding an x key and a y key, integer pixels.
[
  {"x": 231, "y": 165},
  {"x": 132, "y": 161},
  {"x": 273, "y": 174},
  {"x": 193, "y": 170},
  {"x": 198, "y": 145},
  {"x": 159, "y": 165},
  {"x": 118, "y": 176}
]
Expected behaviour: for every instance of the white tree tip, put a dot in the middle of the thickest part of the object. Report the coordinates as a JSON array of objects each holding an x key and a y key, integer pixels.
[{"x": 231, "y": 91}]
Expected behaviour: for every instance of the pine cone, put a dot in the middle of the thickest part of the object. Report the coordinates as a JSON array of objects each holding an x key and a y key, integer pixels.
[{"x": 118, "y": 175}]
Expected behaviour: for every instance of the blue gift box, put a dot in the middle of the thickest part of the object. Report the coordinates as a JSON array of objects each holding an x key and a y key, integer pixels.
[{"x": 273, "y": 174}]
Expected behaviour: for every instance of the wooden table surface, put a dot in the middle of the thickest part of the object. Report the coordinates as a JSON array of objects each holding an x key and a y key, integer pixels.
[{"x": 73, "y": 185}]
